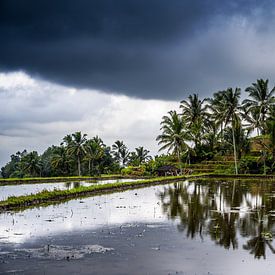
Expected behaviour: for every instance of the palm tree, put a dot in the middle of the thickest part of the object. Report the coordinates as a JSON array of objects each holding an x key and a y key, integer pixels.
[
  {"x": 252, "y": 117},
  {"x": 124, "y": 155},
  {"x": 142, "y": 155},
  {"x": 31, "y": 163},
  {"x": 216, "y": 106},
  {"x": 99, "y": 141},
  {"x": 230, "y": 114},
  {"x": 194, "y": 112},
  {"x": 241, "y": 139},
  {"x": 261, "y": 101},
  {"x": 93, "y": 151},
  {"x": 60, "y": 159},
  {"x": 268, "y": 145},
  {"x": 119, "y": 148},
  {"x": 67, "y": 140},
  {"x": 173, "y": 135},
  {"x": 76, "y": 148}
]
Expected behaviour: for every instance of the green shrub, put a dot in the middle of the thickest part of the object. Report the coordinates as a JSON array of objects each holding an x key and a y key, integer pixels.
[
  {"x": 249, "y": 165},
  {"x": 134, "y": 171}
]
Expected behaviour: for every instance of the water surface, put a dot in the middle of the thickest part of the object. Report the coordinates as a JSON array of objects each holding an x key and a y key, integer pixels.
[
  {"x": 27, "y": 189},
  {"x": 190, "y": 227}
]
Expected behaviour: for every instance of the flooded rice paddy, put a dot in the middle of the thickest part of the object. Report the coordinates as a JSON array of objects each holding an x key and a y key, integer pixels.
[
  {"x": 190, "y": 227},
  {"x": 27, "y": 189}
]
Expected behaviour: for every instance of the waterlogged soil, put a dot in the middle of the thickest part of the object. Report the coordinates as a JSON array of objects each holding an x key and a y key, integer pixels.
[
  {"x": 27, "y": 189},
  {"x": 190, "y": 227}
]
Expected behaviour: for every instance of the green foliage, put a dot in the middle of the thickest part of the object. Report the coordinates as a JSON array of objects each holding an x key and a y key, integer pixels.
[
  {"x": 134, "y": 171},
  {"x": 249, "y": 165}
]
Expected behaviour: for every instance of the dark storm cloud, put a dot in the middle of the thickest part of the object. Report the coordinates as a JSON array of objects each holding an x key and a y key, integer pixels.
[{"x": 142, "y": 48}]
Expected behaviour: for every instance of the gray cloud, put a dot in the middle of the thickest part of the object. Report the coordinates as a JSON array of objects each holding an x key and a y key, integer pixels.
[
  {"x": 36, "y": 114},
  {"x": 147, "y": 48}
]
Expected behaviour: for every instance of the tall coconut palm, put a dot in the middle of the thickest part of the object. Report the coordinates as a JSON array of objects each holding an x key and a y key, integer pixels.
[
  {"x": 174, "y": 134},
  {"x": 241, "y": 139},
  {"x": 193, "y": 110},
  {"x": 98, "y": 140},
  {"x": 261, "y": 100},
  {"x": 118, "y": 148},
  {"x": 142, "y": 154},
  {"x": 76, "y": 148},
  {"x": 67, "y": 140},
  {"x": 216, "y": 106},
  {"x": 230, "y": 113},
  {"x": 93, "y": 152},
  {"x": 31, "y": 163},
  {"x": 194, "y": 113}
]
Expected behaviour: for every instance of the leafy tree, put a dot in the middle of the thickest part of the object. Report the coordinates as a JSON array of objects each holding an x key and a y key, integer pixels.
[
  {"x": 13, "y": 168},
  {"x": 120, "y": 151},
  {"x": 142, "y": 154},
  {"x": 75, "y": 147},
  {"x": 93, "y": 151},
  {"x": 260, "y": 101},
  {"x": 230, "y": 114},
  {"x": 195, "y": 115},
  {"x": 193, "y": 110},
  {"x": 60, "y": 160},
  {"x": 31, "y": 164},
  {"x": 174, "y": 134}
]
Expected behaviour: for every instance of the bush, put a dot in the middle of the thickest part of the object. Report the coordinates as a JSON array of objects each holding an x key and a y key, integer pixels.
[
  {"x": 249, "y": 165},
  {"x": 134, "y": 171}
]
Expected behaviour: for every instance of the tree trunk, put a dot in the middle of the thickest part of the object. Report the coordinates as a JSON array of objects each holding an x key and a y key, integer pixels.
[
  {"x": 235, "y": 153},
  {"x": 93, "y": 167},
  {"x": 178, "y": 153},
  {"x": 79, "y": 166},
  {"x": 264, "y": 162},
  {"x": 89, "y": 167}
]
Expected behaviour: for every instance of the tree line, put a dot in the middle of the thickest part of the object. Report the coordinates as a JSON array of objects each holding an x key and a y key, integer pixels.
[
  {"x": 76, "y": 155},
  {"x": 222, "y": 125},
  {"x": 204, "y": 129}
]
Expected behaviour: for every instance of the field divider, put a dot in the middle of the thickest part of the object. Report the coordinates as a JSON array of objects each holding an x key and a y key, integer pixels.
[
  {"x": 18, "y": 202},
  {"x": 57, "y": 196}
]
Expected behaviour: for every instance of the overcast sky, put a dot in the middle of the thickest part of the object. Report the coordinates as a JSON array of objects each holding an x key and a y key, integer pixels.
[{"x": 115, "y": 67}]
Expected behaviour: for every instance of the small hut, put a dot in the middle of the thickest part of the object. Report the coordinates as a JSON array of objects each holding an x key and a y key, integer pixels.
[{"x": 167, "y": 170}]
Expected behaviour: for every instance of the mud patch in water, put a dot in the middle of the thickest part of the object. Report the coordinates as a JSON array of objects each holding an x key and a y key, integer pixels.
[{"x": 60, "y": 252}]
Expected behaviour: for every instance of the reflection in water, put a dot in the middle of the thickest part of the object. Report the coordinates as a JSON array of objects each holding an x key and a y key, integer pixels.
[
  {"x": 70, "y": 185},
  {"x": 222, "y": 210}
]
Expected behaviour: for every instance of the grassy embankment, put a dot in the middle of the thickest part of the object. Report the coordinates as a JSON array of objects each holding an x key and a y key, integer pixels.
[
  {"x": 59, "y": 195},
  {"x": 46, "y": 197}
]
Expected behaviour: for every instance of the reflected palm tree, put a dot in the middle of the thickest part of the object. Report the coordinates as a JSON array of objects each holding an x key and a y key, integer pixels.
[
  {"x": 221, "y": 209},
  {"x": 68, "y": 184},
  {"x": 223, "y": 229},
  {"x": 189, "y": 206}
]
